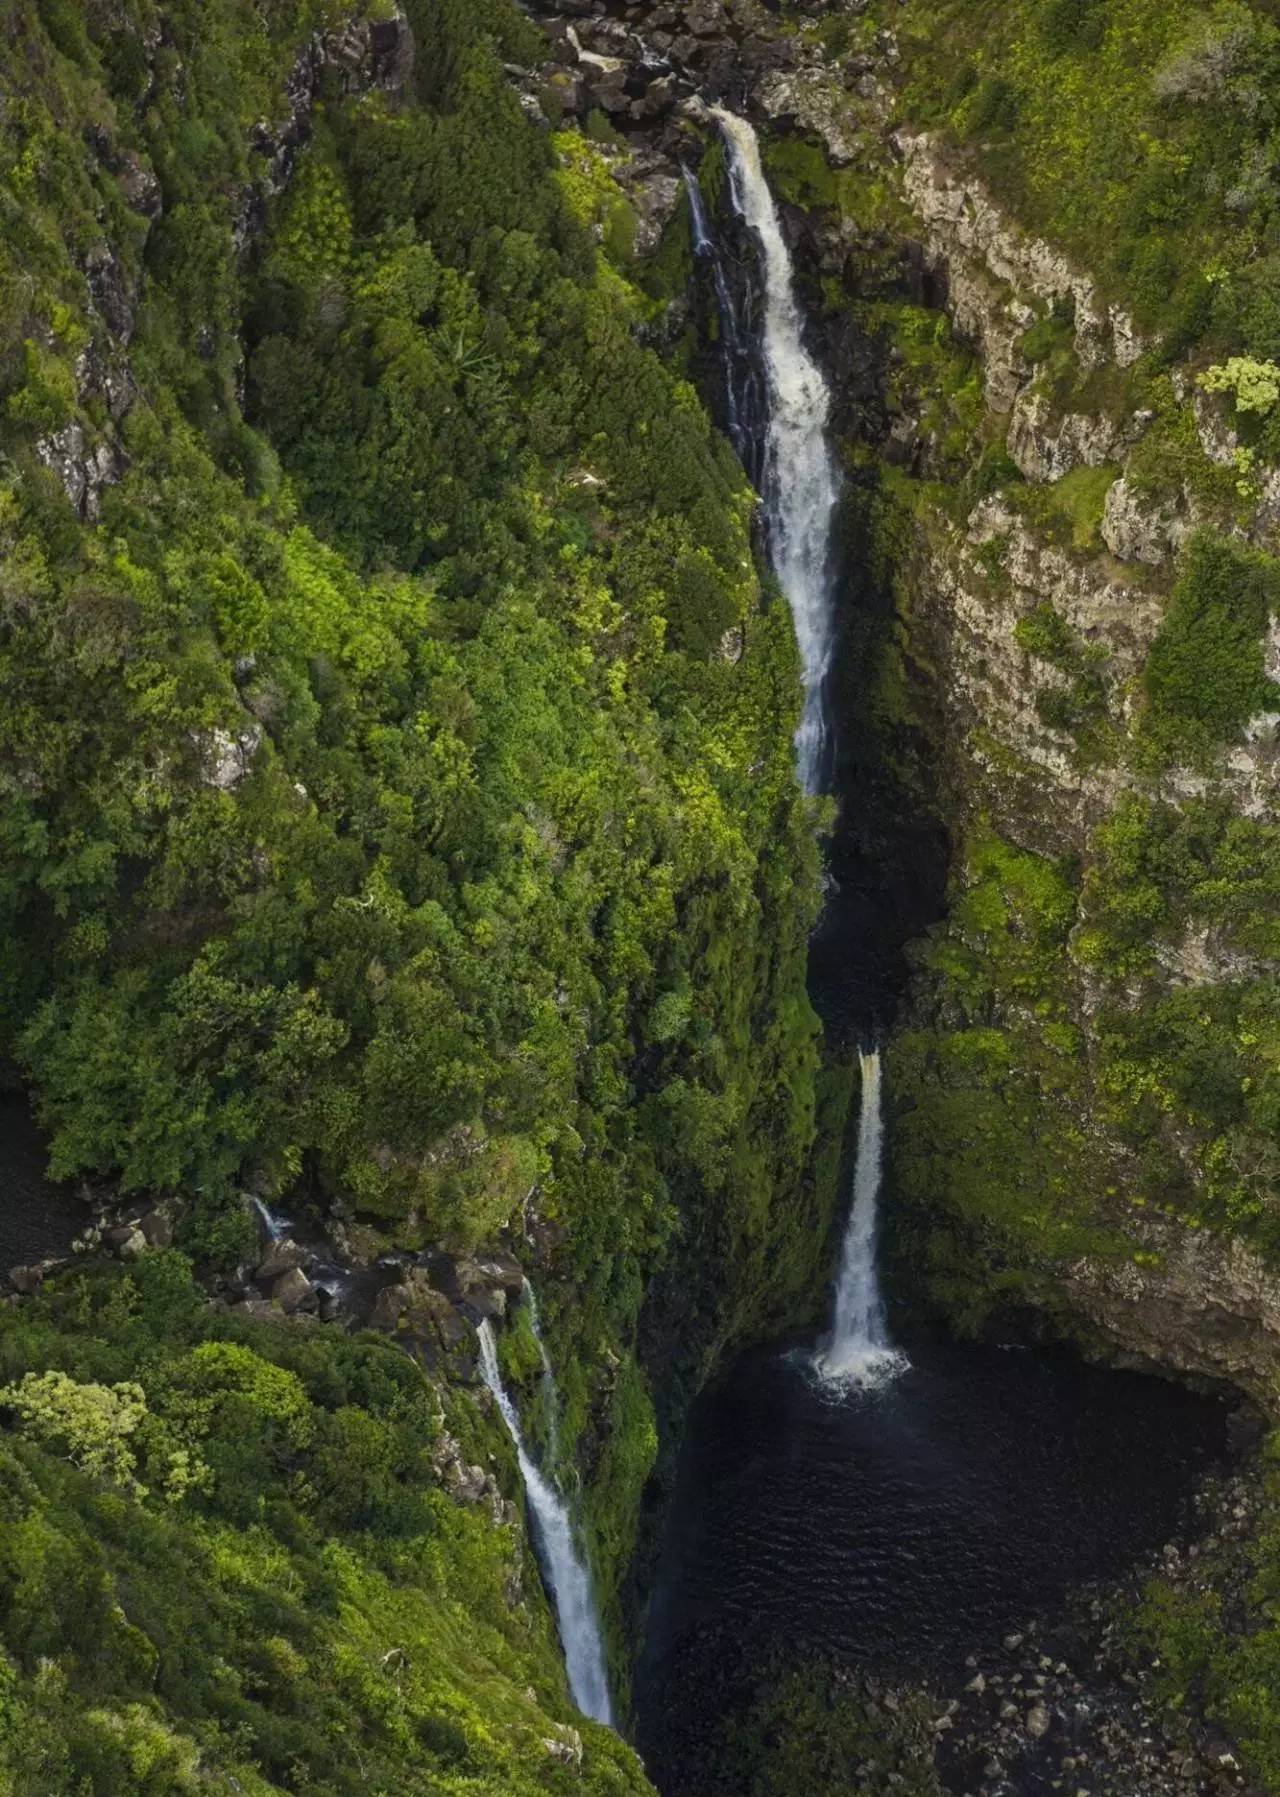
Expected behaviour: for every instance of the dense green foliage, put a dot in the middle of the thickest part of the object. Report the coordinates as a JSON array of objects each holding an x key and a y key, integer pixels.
[
  {"x": 1138, "y": 134},
  {"x": 1217, "y": 1643},
  {"x": 997, "y": 1178},
  {"x": 792, "y": 1726},
  {"x": 1205, "y": 675},
  {"x": 383, "y": 818},
  {"x": 226, "y": 1564}
]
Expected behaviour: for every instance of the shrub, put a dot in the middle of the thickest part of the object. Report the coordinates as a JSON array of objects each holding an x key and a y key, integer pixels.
[
  {"x": 1205, "y": 674},
  {"x": 1067, "y": 25}
]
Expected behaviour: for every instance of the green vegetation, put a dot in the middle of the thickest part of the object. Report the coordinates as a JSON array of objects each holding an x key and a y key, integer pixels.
[
  {"x": 1217, "y": 1643},
  {"x": 801, "y": 1727},
  {"x": 997, "y": 1179},
  {"x": 226, "y": 1563},
  {"x": 379, "y": 816},
  {"x": 1205, "y": 674},
  {"x": 1138, "y": 134}
]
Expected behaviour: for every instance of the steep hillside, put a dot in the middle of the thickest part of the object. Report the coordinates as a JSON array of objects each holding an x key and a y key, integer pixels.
[{"x": 398, "y": 824}]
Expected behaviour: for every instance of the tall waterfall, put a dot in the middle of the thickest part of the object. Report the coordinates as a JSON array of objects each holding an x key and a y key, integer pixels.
[
  {"x": 566, "y": 1574},
  {"x": 859, "y": 1349},
  {"x": 799, "y": 487}
]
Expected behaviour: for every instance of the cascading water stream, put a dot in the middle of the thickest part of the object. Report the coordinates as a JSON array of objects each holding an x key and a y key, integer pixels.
[
  {"x": 858, "y": 1350},
  {"x": 735, "y": 348},
  {"x": 566, "y": 1573},
  {"x": 799, "y": 485}
]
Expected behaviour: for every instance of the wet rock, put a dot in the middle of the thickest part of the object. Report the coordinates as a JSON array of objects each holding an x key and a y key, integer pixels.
[{"x": 328, "y": 1303}]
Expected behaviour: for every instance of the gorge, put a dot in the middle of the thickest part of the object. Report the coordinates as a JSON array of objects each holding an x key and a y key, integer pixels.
[{"x": 638, "y": 658}]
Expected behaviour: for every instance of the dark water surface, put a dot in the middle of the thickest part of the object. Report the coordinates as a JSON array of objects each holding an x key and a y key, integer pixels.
[
  {"x": 37, "y": 1218},
  {"x": 903, "y": 1529}
]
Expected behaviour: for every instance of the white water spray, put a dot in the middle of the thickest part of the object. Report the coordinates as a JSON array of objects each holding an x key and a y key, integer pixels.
[
  {"x": 566, "y": 1574},
  {"x": 800, "y": 486},
  {"x": 859, "y": 1350}
]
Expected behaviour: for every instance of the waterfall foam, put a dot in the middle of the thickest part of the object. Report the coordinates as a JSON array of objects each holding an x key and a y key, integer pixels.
[
  {"x": 566, "y": 1574},
  {"x": 799, "y": 485},
  {"x": 858, "y": 1350}
]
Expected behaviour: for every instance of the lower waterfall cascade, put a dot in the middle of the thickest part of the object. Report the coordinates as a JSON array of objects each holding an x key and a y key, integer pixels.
[
  {"x": 567, "y": 1576},
  {"x": 858, "y": 1349}
]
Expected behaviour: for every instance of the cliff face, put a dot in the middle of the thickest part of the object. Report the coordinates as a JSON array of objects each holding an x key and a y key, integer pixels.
[
  {"x": 1053, "y": 611},
  {"x": 1079, "y": 527}
]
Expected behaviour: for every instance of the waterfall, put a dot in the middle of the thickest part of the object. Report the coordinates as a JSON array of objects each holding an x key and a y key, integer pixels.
[
  {"x": 859, "y": 1350},
  {"x": 566, "y": 1574},
  {"x": 741, "y": 401},
  {"x": 273, "y": 1226},
  {"x": 799, "y": 485},
  {"x": 550, "y": 1396}
]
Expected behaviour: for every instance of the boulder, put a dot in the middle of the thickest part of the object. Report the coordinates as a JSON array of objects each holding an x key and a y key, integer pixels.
[
  {"x": 262, "y": 1310},
  {"x": 1136, "y": 530},
  {"x": 494, "y": 1270},
  {"x": 281, "y": 1257},
  {"x": 129, "y": 1244},
  {"x": 157, "y": 1227},
  {"x": 26, "y": 1279},
  {"x": 329, "y": 1303},
  {"x": 389, "y": 1306},
  {"x": 565, "y": 1746},
  {"x": 293, "y": 1290}
]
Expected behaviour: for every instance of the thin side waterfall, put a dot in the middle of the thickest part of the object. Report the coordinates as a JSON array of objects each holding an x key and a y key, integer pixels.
[
  {"x": 550, "y": 1396},
  {"x": 859, "y": 1350},
  {"x": 273, "y": 1226},
  {"x": 800, "y": 488},
  {"x": 566, "y": 1574},
  {"x": 736, "y": 358}
]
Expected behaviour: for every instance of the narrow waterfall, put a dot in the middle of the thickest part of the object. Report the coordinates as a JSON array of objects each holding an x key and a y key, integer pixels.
[
  {"x": 736, "y": 358},
  {"x": 550, "y": 1396},
  {"x": 273, "y": 1226},
  {"x": 566, "y": 1574},
  {"x": 799, "y": 486},
  {"x": 859, "y": 1349}
]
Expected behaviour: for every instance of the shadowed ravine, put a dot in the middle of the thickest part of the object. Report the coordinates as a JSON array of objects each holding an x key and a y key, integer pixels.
[{"x": 893, "y": 1511}]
